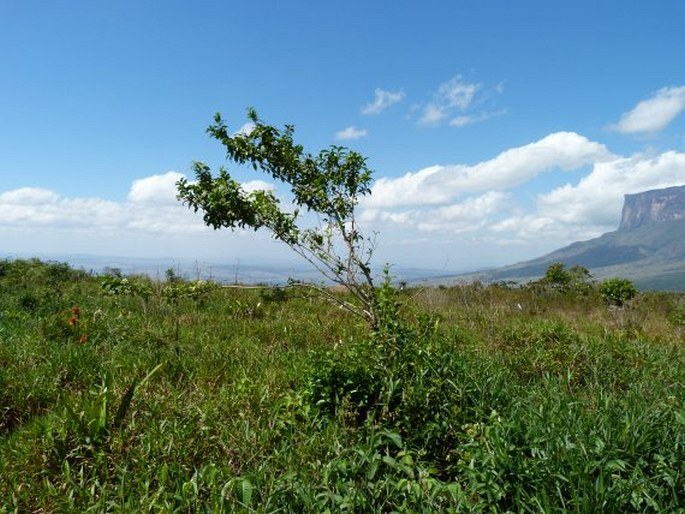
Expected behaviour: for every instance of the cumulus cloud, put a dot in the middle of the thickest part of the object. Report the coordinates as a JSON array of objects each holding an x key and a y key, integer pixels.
[
  {"x": 476, "y": 204},
  {"x": 441, "y": 184},
  {"x": 429, "y": 213},
  {"x": 653, "y": 114},
  {"x": 29, "y": 206},
  {"x": 151, "y": 206},
  {"x": 351, "y": 133},
  {"x": 593, "y": 205},
  {"x": 598, "y": 197},
  {"x": 155, "y": 189},
  {"x": 28, "y": 196},
  {"x": 382, "y": 100},
  {"x": 467, "y": 216}
]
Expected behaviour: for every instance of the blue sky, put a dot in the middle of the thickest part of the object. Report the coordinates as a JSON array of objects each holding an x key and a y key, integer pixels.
[{"x": 497, "y": 130}]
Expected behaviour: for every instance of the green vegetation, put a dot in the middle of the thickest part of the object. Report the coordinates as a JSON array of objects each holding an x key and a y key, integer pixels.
[
  {"x": 617, "y": 291},
  {"x": 326, "y": 187},
  {"x": 121, "y": 394}
]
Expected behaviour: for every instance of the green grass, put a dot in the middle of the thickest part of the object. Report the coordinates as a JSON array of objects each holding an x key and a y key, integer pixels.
[{"x": 178, "y": 397}]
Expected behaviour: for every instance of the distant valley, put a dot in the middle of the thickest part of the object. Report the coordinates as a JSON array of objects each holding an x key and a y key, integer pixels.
[{"x": 648, "y": 248}]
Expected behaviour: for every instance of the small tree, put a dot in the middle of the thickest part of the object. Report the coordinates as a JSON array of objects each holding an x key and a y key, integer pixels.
[
  {"x": 573, "y": 279},
  {"x": 557, "y": 276},
  {"x": 617, "y": 291},
  {"x": 328, "y": 185}
]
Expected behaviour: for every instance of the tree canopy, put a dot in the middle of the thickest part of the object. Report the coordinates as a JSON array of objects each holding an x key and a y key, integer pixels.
[{"x": 327, "y": 185}]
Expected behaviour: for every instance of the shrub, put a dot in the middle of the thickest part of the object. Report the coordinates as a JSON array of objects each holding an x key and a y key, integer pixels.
[{"x": 617, "y": 291}]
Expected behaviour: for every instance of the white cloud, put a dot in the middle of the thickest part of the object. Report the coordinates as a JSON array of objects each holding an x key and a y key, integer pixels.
[
  {"x": 351, "y": 133},
  {"x": 454, "y": 100},
  {"x": 28, "y": 196},
  {"x": 28, "y": 207},
  {"x": 155, "y": 189},
  {"x": 466, "y": 212},
  {"x": 453, "y": 95},
  {"x": 245, "y": 129},
  {"x": 441, "y": 184},
  {"x": 463, "y": 120},
  {"x": 598, "y": 197},
  {"x": 151, "y": 207},
  {"x": 653, "y": 114},
  {"x": 382, "y": 100},
  {"x": 593, "y": 205},
  {"x": 370, "y": 216},
  {"x": 433, "y": 114},
  {"x": 467, "y": 216},
  {"x": 462, "y": 206},
  {"x": 457, "y": 93},
  {"x": 257, "y": 185}
]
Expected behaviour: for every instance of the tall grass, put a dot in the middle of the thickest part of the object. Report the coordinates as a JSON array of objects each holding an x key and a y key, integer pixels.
[{"x": 183, "y": 397}]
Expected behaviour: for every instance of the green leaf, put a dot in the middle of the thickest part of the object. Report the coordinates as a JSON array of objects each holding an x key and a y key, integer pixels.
[
  {"x": 244, "y": 491},
  {"x": 124, "y": 405}
]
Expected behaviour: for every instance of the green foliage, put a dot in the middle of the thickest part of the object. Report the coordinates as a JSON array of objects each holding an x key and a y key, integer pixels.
[
  {"x": 617, "y": 291},
  {"x": 678, "y": 314},
  {"x": 381, "y": 474},
  {"x": 466, "y": 399},
  {"x": 407, "y": 379},
  {"x": 556, "y": 275},
  {"x": 574, "y": 279},
  {"x": 328, "y": 184},
  {"x": 135, "y": 286},
  {"x": 89, "y": 424},
  {"x": 197, "y": 290}
]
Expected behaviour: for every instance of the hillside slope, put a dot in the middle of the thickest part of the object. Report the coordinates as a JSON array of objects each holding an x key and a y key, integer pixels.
[
  {"x": 648, "y": 247},
  {"x": 653, "y": 256}
]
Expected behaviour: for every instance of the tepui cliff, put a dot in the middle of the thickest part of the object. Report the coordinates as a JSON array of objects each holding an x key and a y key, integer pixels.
[{"x": 654, "y": 206}]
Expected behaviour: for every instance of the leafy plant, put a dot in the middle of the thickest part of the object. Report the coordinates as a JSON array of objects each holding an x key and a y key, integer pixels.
[
  {"x": 617, "y": 291},
  {"x": 327, "y": 185},
  {"x": 573, "y": 279},
  {"x": 119, "y": 285},
  {"x": 92, "y": 421}
]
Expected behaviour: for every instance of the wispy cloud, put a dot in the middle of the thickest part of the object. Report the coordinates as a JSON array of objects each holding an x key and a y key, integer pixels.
[
  {"x": 653, "y": 114},
  {"x": 382, "y": 100},
  {"x": 454, "y": 102},
  {"x": 351, "y": 133},
  {"x": 469, "y": 119},
  {"x": 454, "y": 95}
]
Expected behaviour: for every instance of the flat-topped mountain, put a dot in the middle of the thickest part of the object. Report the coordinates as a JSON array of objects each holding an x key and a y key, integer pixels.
[
  {"x": 648, "y": 247},
  {"x": 654, "y": 206}
]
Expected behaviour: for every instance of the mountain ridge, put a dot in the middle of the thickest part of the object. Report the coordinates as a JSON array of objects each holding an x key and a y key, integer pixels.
[{"x": 648, "y": 247}]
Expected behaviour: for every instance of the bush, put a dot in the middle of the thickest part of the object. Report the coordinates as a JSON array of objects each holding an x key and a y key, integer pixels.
[
  {"x": 415, "y": 383},
  {"x": 617, "y": 291}
]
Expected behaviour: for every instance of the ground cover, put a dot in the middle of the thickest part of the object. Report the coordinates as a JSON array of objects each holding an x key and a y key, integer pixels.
[{"x": 121, "y": 394}]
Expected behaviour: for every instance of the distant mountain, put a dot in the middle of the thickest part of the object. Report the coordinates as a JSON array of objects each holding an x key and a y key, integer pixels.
[{"x": 648, "y": 248}]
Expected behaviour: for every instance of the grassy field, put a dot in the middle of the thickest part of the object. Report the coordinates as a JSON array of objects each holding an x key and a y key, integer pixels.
[{"x": 125, "y": 395}]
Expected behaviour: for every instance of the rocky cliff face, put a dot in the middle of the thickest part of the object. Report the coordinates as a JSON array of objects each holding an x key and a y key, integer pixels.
[{"x": 653, "y": 206}]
